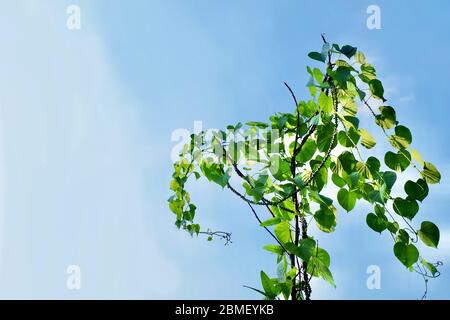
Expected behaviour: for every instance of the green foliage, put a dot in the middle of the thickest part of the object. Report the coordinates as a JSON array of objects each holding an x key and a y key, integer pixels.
[{"x": 285, "y": 164}]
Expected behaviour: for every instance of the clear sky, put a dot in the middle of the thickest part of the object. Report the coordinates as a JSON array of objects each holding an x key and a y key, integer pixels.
[{"x": 86, "y": 118}]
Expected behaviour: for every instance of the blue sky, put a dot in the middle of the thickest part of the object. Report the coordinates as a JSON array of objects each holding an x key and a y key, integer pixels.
[{"x": 86, "y": 119}]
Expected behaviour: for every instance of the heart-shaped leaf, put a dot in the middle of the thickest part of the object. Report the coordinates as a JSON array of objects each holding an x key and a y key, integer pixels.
[
  {"x": 406, "y": 253},
  {"x": 429, "y": 234},
  {"x": 406, "y": 208},
  {"x": 416, "y": 190},
  {"x": 346, "y": 199},
  {"x": 375, "y": 223}
]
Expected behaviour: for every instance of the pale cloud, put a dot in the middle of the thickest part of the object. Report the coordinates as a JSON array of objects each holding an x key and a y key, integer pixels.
[{"x": 71, "y": 173}]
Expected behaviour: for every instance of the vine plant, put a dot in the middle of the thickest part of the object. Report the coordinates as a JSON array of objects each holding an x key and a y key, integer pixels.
[{"x": 285, "y": 164}]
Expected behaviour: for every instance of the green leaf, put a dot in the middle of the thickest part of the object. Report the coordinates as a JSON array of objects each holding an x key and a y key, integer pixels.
[
  {"x": 320, "y": 199},
  {"x": 429, "y": 266},
  {"x": 402, "y": 138},
  {"x": 279, "y": 168},
  {"x": 343, "y": 63},
  {"x": 348, "y": 139},
  {"x": 352, "y": 180},
  {"x": 375, "y": 223},
  {"x": 317, "y": 56},
  {"x": 375, "y": 196},
  {"x": 387, "y": 118},
  {"x": 345, "y": 162},
  {"x": 346, "y": 199},
  {"x": 367, "y": 140},
  {"x": 351, "y": 121},
  {"x": 349, "y": 107},
  {"x": 363, "y": 169},
  {"x": 176, "y": 206},
  {"x": 377, "y": 89},
  {"x": 368, "y": 68},
  {"x": 271, "y": 222},
  {"x": 283, "y": 231},
  {"x": 416, "y": 190},
  {"x": 430, "y": 173},
  {"x": 389, "y": 179},
  {"x": 398, "y": 161},
  {"x": 392, "y": 226},
  {"x": 338, "y": 181},
  {"x": 379, "y": 211},
  {"x": 406, "y": 253},
  {"x": 405, "y": 208},
  {"x": 298, "y": 180},
  {"x": 416, "y": 156},
  {"x": 360, "y": 58},
  {"x": 348, "y": 51},
  {"x": 325, "y": 102},
  {"x": 318, "y": 75},
  {"x": 374, "y": 165},
  {"x": 268, "y": 285},
  {"x": 343, "y": 74},
  {"x": 325, "y": 137},
  {"x": 319, "y": 264},
  {"x": 320, "y": 179},
  {"x": 307, "y": 109},
  {"x": 214, "y": 172},
  {"x": 304, "y": 250},
  {"x": 325, "y": 219},
  {"x": 274, "y": 249},
  {"x": 307, "y": 151},
  {"x": 403, "y": 236},
  {"x": 429, "y": 234},
  {"x": 258, "y": 124}
]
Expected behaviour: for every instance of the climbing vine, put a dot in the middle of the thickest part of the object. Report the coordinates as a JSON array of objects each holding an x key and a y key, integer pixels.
[{"x": 283, "y": 166}]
